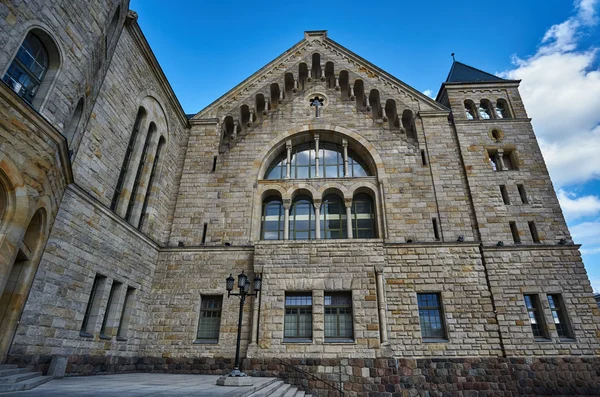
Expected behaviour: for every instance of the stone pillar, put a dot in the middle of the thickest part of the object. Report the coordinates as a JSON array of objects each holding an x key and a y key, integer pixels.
[
  {"x": 317, "y": 204},
  {"x": 252, "y": 115},
  {"x": 381, "y": 305},
  {"x": 288, "y": 160},
  {"x": 255, "y": 309},
  {"x": 287, "y": 204},
  {"x": 368, "y": 102},
  {"x": 322, "y": 73},
  {"x": 295, "y": 89},
  {"x": 345, "y": 145},
  {"x": 348, "y": 203},
  {"x": 281, "y": 95},
  {"x": 337, "y": 83},
  {"x": 500, "y": 160},
  {"x": 266, "y": 111},
  {"x": 352, "y": 92},
  {"x": 316, "y": 155}
]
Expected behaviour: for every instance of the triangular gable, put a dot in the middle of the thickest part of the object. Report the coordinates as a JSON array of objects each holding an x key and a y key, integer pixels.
[{"x": 310, "y": 38}]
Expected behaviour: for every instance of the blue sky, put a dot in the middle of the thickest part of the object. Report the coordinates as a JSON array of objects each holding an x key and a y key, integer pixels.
[{"x": 206, "y": 48}]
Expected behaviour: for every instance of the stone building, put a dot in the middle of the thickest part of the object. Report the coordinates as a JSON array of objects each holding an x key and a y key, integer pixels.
[{"x": 403, "y": 242}]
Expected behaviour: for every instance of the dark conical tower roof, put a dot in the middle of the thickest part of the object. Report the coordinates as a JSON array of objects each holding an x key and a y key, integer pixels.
[{"x": 461, "y": 73}]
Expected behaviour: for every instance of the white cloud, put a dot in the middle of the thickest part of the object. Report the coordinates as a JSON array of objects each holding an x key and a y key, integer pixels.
[
  {"x": 561, "y": 91},
  {"x": 586, "y": 233},
  {"x": 576, "y": 207},
  {"x": 429, "y": 93},
  {"x": 590, "y": 251}
]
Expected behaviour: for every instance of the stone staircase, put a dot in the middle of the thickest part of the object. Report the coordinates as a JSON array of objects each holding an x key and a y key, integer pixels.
[
  {"x": 277, "y": 388},
  {"x": 13, "y": 378}
]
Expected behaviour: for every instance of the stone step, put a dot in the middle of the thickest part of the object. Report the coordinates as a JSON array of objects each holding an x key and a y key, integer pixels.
[
  {"x": 267, "y": 391},
  {"x": 12, "y": 371},
  {"x": 19, "y": 377},
  {"x": 8, "y": 366},
  {"x": 25, "y": 385},
  {"x": 293, "y": 392},
  {"x": 280, "y": 392}
]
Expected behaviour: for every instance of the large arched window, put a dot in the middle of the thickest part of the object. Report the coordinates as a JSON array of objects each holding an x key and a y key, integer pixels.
[
  {"x": 363, "y": 216},
  {"x": 333, "y": 217},
  {"x": 303, "y": 163},
  {"x": 272, "y": 219},
  {"x": 161, "y": 144},
  {"x": 302, "y": 219},
  {"x": 27, "y": 71}
]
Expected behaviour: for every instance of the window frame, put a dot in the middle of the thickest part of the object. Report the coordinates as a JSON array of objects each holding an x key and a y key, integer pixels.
[
  {"x": 355, "y": 214},
  {"x": 297, "y": 338},
  {"x": 338, "y": 338},
  {"x": 205, "y": 299},
  {"x": 292, "y": 229},
  {"x": 280, "y": 221},
  {"x": 541, "y": 334},
  {"x": 441, "y": 315},
  {"x": 557, "y": 307},
  {"x": 343, "y": 222}
]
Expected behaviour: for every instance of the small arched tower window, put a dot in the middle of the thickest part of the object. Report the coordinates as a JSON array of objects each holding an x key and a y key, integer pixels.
[
  {"x": 72, "y": 126},
  {"x": 359, "y": 93},
  {"x": 392, "y": 114},
  {"x": 485, "y": 109},
  {"x": 502, "y": 111},
  {"x": 302, "y": 75},
  {"x": 274, "y": 90},
  {"x": 344, "y": 84},
  {"x": 289, "y": 84},
  {"x": 228, "y": 133},
  {"x": 272, "y": 220},
  {"x": 330, "y": 75},
  {"x": 375, "y": 102},
  {"x": 408, "y": 122},
  {"x": 260, "y": 106},
  {"x": 31, "y": 72},
  {"x": 316, "y": 66},
  {"x": 245, "y": 116},
  {"x": 470, "y": 111}
]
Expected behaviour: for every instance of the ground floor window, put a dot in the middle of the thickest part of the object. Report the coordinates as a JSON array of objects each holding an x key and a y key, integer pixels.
[
  {"x": 210, "y": 318},
  {"x": 338, "y": 316},
  {"x": 430, "y": 316},
  {"x": 298, "y": 316}
]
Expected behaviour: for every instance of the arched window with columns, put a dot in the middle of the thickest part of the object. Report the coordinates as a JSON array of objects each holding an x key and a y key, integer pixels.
[
  {"x": 363, "y": 216},
  {"x": 272, "y": 219},
  {"x": 333, "y": 217},
  {"x": 302, "y": 219}
]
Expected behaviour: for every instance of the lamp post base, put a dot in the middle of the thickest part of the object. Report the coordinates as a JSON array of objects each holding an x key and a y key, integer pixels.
[{"x": 235, "y": 378}]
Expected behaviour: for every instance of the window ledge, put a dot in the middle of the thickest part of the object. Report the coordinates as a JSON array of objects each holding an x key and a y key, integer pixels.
[
  {"x": 435, "y": 340},
  {"x": 102, "y": 336},
  {"x": 297, "y": 340},
  {"x": 121, "y": 339},
  {"x": 85, "y": 334},
  {"x": 340, "y": 341},
  {"x": 543, "y": 340},
  {"x": 206, "y": 342},
  {"x": 568, "y": 340}
]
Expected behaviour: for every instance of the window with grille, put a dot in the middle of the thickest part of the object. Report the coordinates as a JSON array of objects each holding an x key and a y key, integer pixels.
[
  {"x": 535, "y": 316},
  {"x": 338, "y": 316},
  {"x": 430, "y": 316},
  {"x": 210, "y": 319},
  {"x": 558, "y": 316},
  {"x": 298, "y": 316}
]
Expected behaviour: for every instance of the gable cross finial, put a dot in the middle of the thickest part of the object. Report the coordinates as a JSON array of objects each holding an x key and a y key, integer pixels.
[{"x": 452, "y": 55}]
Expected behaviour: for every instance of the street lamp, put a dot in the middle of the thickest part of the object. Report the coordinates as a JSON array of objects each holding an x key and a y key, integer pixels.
[{"x": 244, "y": 287}]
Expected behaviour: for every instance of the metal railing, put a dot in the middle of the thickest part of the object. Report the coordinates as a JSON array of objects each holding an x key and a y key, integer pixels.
[{"x": 330, "y": 385}]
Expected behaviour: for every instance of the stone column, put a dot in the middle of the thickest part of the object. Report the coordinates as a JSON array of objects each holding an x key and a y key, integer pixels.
[
  {"x": 255, "y": 309},
  {"x": 337, "y": 83},
  {"x": 295, "y": 89},
  {"x": 316, "y": 155},
  {"x": 348, "y": 203},
  {"x": 288, "y": 160},
  {"x": 252, "y": 115},
  {"x": 381, "y": 305},
  {"x": 352, "y": 92},
  {"x": 345, "y": 145},
  {"x": 317, "y": 204},
  {"x": 287, "y": 204},
  {"x": 322, "y": 73},
  {"x": 500, "y": 160},
  {"x": 281, "y": 95},
  {"x": 368, "y": 102}
]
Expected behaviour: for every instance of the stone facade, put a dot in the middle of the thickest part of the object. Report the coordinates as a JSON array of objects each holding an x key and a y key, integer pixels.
[{"x": 125, "y": 222}]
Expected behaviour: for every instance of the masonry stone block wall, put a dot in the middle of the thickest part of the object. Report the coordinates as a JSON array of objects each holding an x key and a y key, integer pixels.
[{"x": 442, "y": 222}]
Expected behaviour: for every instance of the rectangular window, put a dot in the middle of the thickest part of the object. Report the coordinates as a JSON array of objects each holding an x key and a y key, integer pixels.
[
  {"x": 126, "y": 314},
  {"x": 534, "y": 232},
  {"x": 209, "y": 323},
  {"x": 92, "y": 311},
  {"x": 338, "y": 316},
  {"x": 298, "y": 316},
  {"x": 423, "y": 157},
  {"x": 504, "y": 194},
  {"x": 515, "y": 232},
  {"x": 523, "y": 194},
  {"x": 214, "y": 164},
  {"x": 558, "y": 316},
  {"x": 535, "y": 316},
  {"x": 436, "y": 232},
  {"x": 430, "y": 316},
  {"x": 204, "y": 230},
  {"x": 109, "y": 323}
]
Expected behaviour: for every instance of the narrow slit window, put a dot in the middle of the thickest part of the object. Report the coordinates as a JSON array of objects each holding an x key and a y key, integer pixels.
[
  {"x": 423, "y": 157},
  {"x": 535, "y": 316},
  {"x": 214, "y": 164},
  {"x": 436, "y": 232},
  {"x": 534, "y": 232},
  {"x": 523, "y": 194},
  {"x": 515, "y": 233},
  {"x": 126, "y": 313},
  {"x": 109, "y": 321},
  {"x": 557, "y": 307},
  {"x": 504, "y": 194},
  {"x": 92, "y": 311},
  {"x": 204, "y": 229}
]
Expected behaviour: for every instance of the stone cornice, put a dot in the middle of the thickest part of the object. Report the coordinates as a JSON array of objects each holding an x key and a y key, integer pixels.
[
  {"x": 434, "y": 244},
  {"x": 43, "y": 126},
  {"x": 434, "y": 114},
  {"x": 142, "y": 43},
  {"x": 209, "y": 248},
  {"x": 492, "y": 121},
  {"x": 530, "y": 247},
  {"x": 482, "y": 85},
  {"x": 207, "y": 121}
]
